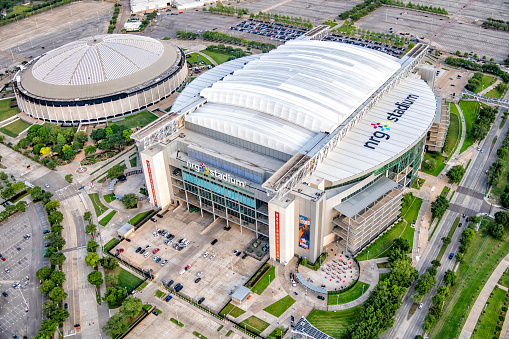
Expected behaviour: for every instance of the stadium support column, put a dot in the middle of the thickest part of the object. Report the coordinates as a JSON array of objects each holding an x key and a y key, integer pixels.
[
  {"x": 157, "y": 175},
  {"x": 282, "y": 229}
]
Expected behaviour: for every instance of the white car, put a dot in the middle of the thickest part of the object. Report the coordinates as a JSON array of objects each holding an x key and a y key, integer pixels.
[
  {"x": 164, "y": 262},
  {"x": 46, "y": 185},
  {"x": 205, "y": 254},
  {"x": 155, "y": 258},
  {"x": 147, "y": 254},
  {"x": 293, "y": 283},
  {"x": 156, "y": 235},
  {"x": 199, "y": 273},
  {"x": 212, "y": 256},
  {"x": 421, "y": 305}
]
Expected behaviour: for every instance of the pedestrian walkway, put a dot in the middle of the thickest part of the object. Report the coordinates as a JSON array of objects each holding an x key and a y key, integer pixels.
[
  {"x": 489, "y": 88},
  {"x": 478, "y": 307}
]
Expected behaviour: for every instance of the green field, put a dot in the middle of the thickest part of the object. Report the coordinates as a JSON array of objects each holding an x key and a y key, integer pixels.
[
  {"x": 254, "y": 324},
  {"x": 126, "y": 279},
  {"x": 494, "y": 93},
  {"x": 486, "y": 82},
  {"x": 451, "y": 233},
  {"x": 18, "y": 9},
  {"x": 138, "y": 217},
  {"x": 504, "y": 280},
  {"x": 98, "y": 206},
  {"x": 232, "y": 310},
  {"x": 350, "y": 295},
  {"x": 404, "y": 230},
  {"x": 141, "y": 119},
  {"x": 109, "y": 197},
  {"x": 454, "y": 131},
  {"x": 439, "y": 166},
  {"x": 280, "y": 306},
  {"x": 470, "y": 110},
  {"x": 5, "y": 109},
  {"x": 218, "y": 57},
  {"x": 264, "y": 282},
  {"x": 104, "y": 221},
  {"x": 15, "y": 128},
  {"x": 194, "y": 58},
  {"x": 479, "y": 261},
  {"x": 133, "y": 161},
  {"x": 488, "y": 321},
  {"x": 336, "y": 323},
  {"x": 278, "y": 333}
]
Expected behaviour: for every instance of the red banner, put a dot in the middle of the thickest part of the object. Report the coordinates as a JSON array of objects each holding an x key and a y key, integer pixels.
[
  {"x": 151, "y": 183},
  {"x": 276, "y": 221}
]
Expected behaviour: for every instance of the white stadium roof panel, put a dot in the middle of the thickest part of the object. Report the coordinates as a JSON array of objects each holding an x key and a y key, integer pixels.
[{"x": 367, "y": 146}]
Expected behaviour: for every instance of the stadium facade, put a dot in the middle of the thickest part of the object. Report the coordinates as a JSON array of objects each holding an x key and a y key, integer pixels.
[
  {"x": 99, "y": 78},
  {"x": 308, "y": 144}
]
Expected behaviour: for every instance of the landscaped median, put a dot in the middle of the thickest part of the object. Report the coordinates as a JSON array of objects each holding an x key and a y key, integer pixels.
[
  {"x": 98, "y": 206},
  {"x": 280, "y": 306},
  {"x": 104, "y": 221},
  {"x": 261, "y": 280}
]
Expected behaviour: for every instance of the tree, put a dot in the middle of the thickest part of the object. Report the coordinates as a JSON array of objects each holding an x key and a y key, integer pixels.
[
  {"x": 92, "y": 246},
  {"x": 56, "y": 240},
  {"x": 98, "y": 134},
  {"x": 109, "y": 263},
  {"x": 115, "y": 325},
  {"x": 436, "y": 263},
  {"x": 55, "y": 218},
  {"x": 402, "y": 244},
  {"x": 57, "y": 229},
  {"x": 131, "y": 307},
  {"x": 95, "y": 278},
  {"x": 424, "y": 284},
  {"x": 456, "y": 173},
  {"x": 87, "y": 216},
  {"x": 59, "y": 315},
  {"x": 45, "y": 151},
  {"x": 115, "y": 172},
  {"x": 21, "y": 206},
  {"x": 61, "y": 139},
  {"x": 51, "y": 206},
  {"x": 57, "y": 258},
  {"x": 90, "y": 228},
  {"x": 439, "y": 206},
  {"x": 112, "y": 279},
  {"x": 81, "y": 137},
  {"x": 68, "y": 152},
  {"x": 417, "y": 297},
  {"x": 430, "y": 164},
  {"x": 450, "y": 277},
  {"x": 58, "y": 277},
  {"x": 402, "y": 273},
  {"x": 130, "y": 200},
  {"x": 443, "y": 291},
  {"x": 115, "y": 295},
  {"x": 458, "y": 53},
  {"x": 496, "y": 231},
  {"x": 68, "y": 178},
  {"x": 44, "y": 273},
  {"x": 48, "y": 306},
  {"x": 92, "y": 259},
  {"x": 127, "y": 134},
  {"x": 501, "y": 217},
  {"x": 47, "y": 286},
  {"x": 18, "y": 186},
  {"x": 90, "y": 149},
  {"x": 57, "y": 294},
  {"x": 48, "y": 327},
  {"x": 428, "y": 322},
  {"x": 446, "y": 240}
]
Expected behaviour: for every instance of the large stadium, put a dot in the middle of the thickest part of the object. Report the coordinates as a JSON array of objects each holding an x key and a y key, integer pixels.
[
  {"x": 309, "y": 144},
  {"x": 99, "y": 78}
]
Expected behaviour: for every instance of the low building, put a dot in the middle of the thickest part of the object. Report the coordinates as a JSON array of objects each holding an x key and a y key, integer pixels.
[
  {"x": 126, "y": 230},
  {"x": 132, "y": 26},
  {"x": 437, "y": 133},
  {"x": 241, "y": 294}
]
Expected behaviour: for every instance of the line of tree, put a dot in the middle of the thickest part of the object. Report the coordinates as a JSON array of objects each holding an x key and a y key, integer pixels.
[
  {"x": 439, "y": 206},
  {"x": 35, "y": 9},
  {"x": 496, "y": 170},
  {"x": 475, "y": 82},
  {"x": 186, "y": 35},
  {"x": 482, "y": 124},
  {"x": 52, "y": 279},
  {"x": 496, "y": 24},
  {"x": 425, "y": 283},
  {"x": 227, "y": 10},
  {"x": 369, "y": 6},
  {"x": 119, "y": 322},
  {"x": 225, "y": 38},
  {"x": 113, "y": 137},
  {"x": 113, "y": 21},
  {"x": 469, "y": 64},
  {"x": 146, "y": 21},
  {"x": 10, "y": 191},
  {"x": 378, "y": 311},
  {"x": 456, "y": 173},
  {"x": 283, "y": 19}
]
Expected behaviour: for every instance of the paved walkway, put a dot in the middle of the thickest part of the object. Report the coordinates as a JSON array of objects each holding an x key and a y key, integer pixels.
[
  {"x": 208, "y": 58},
  {"x": 467, "y": 330},
  {"x": 489, "y": 88}
]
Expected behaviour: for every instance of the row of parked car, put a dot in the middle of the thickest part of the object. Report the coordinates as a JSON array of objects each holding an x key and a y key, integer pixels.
[
  {"x": 378, "y": 46},
  {"x": 269, "y": 29}
]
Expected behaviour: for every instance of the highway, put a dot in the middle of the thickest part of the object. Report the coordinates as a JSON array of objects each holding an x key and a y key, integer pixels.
[{"x": 468, "y": 199}]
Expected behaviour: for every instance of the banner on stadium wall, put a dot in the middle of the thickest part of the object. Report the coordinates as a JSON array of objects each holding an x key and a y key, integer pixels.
[
  {"x": 151, "y": 183},
  {"x": 304, "y": 226},
  {"x": 277, "y": 234}
]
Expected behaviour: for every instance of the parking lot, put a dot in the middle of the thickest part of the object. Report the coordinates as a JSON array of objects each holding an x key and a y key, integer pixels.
[
  {"x": 221, "y": 269},
  {"x": 17, "y": 252},
  {"x": 274, "y": 31},
  {"x": 377, "y": 46}
]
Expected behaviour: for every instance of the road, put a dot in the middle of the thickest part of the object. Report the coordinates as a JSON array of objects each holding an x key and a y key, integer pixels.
[{"x": 469, "y": 199}]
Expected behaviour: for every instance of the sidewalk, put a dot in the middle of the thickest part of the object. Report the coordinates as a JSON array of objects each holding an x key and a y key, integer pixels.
[
  {"x": 489, "y": 88},
  {"x": 478, "y": 307}
]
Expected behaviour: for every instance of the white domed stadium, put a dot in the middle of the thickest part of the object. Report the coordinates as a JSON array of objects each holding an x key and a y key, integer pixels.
[{"x": 99, "y": 78}]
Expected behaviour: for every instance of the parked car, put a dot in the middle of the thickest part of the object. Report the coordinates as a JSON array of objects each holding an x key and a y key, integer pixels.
[
  {"x": 66, "y": 306},
  {"x": 168, "y": 298},
  {"x": 213, "y": 242},
  {"x": 158, "y": 260},
  {"x": 164, "y": 262},
  {"x": 169, "y": 283},
  {"x": 142, "y": 251},
  {"x": 205, "y": 254},
  {"x": 153, "y": 219},
  {"x": 202, "y": 299},
  {"x": 147, "y": 254},
  {"x": 155, "y": 251},
  {"x": 159, "y": 215},
  {"x": 5, "y": 294},
  {"x": 320, "y": 297},
  {"x": 197, "y": 280},
  {"x": 199, "y": 273}
]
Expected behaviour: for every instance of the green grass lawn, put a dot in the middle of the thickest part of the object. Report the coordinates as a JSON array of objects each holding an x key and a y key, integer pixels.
[
  {"x": 159, "y": 294},
  {"x": 5, "y": 109},
  {"x": 496, "y": 191},
  {"x": 494, "y": 93},
  {"x": 278, "y": 333},
  {"x": 138, "y": 216},
  {"x": 486, "y": 82},
  {"x": 488, "y": 321},
  {"x": 15, "y": 128},
  {"x": 18, "y": 9},
  {"x": 134, "y": 161},
  {"x": 254, "y": 324},
  {"x": 264, "y": 282},
  {"x": 336, "y": 323},
  {"x": 451, "y": 233},
  {"x": 350, "y": 295},
  {"x": 379, "y": 247},
  {"x": 504, "y": 280},
  {"x": 127, "y": 279},
  {"x": 194, "y": 57},
  {"x": 280, "y": 306},
  {"x": 439, "y": 166},
  {"x": 418, "y": 183},
  {"x": 232, "y": 310},
  {"x": 104, "y": 221},
  {"x": 109, "y": 197},
  {"x": 218, "y": 57},
  {"x": 454, "y": 131},
  {"x": 141, "y": 119},
  {"x": 98, "y": 206},
  {"x": 470, "y": 110},
  {"x": 479, "y": 261}
]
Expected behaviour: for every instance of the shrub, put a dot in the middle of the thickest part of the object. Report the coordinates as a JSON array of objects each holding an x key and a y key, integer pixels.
[{"x": 504, "y": 308}]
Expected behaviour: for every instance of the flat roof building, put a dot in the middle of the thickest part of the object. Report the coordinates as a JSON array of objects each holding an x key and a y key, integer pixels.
[{"x": 308, "y": 144}]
